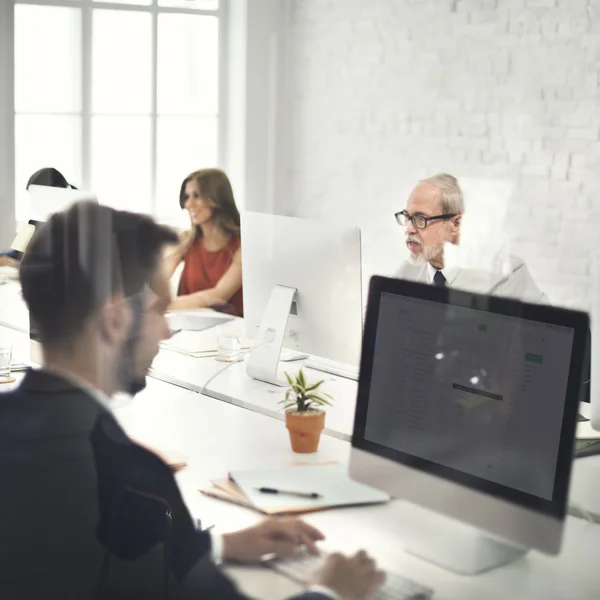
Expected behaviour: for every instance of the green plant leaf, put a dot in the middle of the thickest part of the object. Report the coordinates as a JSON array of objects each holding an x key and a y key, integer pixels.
[
  {"x": 303, "y": 396},
  {"x": 301, "y": 379},
  {"x": 314, "y": 386},
  {"x": 319, "y": 399}
]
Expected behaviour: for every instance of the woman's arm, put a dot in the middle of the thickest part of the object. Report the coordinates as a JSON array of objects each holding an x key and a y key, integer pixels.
[
  {"x": 7, "y": 261},
  {"x": 174, "y": 254},
  {"x": 222, "y": 293}
]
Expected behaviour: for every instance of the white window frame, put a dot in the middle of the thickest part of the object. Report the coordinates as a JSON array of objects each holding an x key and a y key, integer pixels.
[
  {"x": 7, "y": 125},
  {"x": 87, "y": 7}
]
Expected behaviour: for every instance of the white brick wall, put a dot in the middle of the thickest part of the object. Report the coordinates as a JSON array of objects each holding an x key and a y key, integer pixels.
[{"x": 383, "y": 92}]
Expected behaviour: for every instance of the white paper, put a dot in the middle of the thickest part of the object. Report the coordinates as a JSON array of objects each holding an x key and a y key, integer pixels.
[
  {"x": 196, "y": 320},
  {"x": 331, "y": 481}
]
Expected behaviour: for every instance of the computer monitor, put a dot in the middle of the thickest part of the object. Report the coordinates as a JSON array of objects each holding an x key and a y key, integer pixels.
[
  {"x": 46, "y": 200},
  {"x": 594, "y": 370},
  {"x": 302, "y": 291},
  {"x": 450, "y": 397}
]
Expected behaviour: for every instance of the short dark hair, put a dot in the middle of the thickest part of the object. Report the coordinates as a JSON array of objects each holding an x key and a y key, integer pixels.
[
  {"x": 82, "y": 256},
  {"x": 51, "y": 177}
]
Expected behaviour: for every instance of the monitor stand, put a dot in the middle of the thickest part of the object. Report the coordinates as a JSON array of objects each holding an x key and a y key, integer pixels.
[
  {"x": 453, "y": 545},
  {"x": 264, "y": 356}
]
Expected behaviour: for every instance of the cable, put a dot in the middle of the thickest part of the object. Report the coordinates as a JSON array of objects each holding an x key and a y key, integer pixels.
[{"x": 215, "y": 375}]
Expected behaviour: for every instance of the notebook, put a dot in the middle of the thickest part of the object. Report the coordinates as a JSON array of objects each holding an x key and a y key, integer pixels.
[
  {"x": 23, "y": 237},
  {"x": 192, "y": 343},
  {"x": 331, "y": 482},
  {"x": 196, "y": 319},
  {"x": 197, "y": 343}
]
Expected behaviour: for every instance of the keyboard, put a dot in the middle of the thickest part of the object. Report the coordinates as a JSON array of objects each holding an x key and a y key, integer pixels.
[
  {"x": 587, "y": 448},
  {"x": 302, "y": 568},
  {"x": 333, "y": 367},
  {"x": 290, "y": 355}
]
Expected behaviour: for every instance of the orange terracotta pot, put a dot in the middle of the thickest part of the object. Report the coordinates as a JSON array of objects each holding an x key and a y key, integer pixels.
[{"x": 305, "y": 429}]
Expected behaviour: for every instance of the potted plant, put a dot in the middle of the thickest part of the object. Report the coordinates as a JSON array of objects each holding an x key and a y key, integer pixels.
[{"x": 304, "y": 415}]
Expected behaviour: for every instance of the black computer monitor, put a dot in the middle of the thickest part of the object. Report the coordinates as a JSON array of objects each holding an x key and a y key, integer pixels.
[{"x": 467, "y": 405}]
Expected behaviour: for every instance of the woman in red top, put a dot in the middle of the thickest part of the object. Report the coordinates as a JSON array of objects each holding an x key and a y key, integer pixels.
[{"x": 210, "y": 251}]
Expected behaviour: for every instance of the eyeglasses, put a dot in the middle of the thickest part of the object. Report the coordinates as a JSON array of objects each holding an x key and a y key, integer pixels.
[{"x": 419, "y": 221}]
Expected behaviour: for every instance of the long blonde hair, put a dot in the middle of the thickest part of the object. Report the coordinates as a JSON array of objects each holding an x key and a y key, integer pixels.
[{"x": 215, "y": 190}]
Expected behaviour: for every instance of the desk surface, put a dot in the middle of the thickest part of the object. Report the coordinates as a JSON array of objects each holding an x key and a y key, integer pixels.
[
  {"x": 234, "y": 386},
  {"x": 234, "y": 434},
  {"x": 218, "y": 437}
]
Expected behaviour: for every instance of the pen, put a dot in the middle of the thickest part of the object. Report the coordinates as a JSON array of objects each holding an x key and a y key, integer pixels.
[{"x": 268, "y": 490}]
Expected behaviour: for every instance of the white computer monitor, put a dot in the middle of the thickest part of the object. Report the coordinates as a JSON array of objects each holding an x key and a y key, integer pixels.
[
  {"x": 450, "y": 395},
  {"x": 45, "y": 200},
  {"x": 302, "y": 291}
]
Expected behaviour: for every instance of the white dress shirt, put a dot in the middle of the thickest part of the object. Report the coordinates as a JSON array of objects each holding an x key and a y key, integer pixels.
[
  {"x": 217, "y": 555},
  {"x": 431, "y": 271},
  {"x": 518, "y": 284}
]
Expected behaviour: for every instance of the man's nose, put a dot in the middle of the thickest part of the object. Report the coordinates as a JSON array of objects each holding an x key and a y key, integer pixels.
[{"x": 411, "y": 229}]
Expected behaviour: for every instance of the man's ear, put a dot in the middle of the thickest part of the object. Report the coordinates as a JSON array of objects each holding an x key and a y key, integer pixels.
[
  {"x": 455, "y": 228},
  {"x": 113, "y": 320}
]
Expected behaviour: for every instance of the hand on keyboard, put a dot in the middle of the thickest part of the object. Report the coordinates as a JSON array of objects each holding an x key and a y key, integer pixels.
[
  {"x": 353, "y": 578},
  {"x": 342, "y": 575}
]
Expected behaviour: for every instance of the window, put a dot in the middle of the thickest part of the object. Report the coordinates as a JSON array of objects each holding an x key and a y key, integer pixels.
[{"x": 122, "y": 97}]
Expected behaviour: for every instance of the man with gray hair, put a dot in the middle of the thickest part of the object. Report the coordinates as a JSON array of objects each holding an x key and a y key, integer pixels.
[{"x": 432, "y": 217}]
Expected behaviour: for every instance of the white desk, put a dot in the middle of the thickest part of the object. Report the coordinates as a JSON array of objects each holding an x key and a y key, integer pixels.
[
  {"x": 585, "y": 487},
  {"x": 217, "y": 437},
  {"x": 13, "y": 310},
  {"x": 234, "y": 387}
]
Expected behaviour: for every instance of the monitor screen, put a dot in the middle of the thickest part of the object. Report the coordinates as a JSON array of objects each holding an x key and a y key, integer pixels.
[{"x": 467, "y": 393}]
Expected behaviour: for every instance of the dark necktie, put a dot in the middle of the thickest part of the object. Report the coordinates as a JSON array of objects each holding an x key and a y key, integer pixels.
[{"x": 439, "y": 280}]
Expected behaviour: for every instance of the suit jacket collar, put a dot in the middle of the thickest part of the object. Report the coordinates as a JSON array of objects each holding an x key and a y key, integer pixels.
[
  {"x": 50, "y": 381},
  {"x": 48, "y": 405},
  {"x": 41, "y": 380}
]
